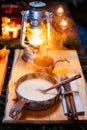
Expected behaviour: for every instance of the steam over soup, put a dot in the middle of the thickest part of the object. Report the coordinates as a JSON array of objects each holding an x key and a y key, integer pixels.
[{"x": 29, "y": 90}]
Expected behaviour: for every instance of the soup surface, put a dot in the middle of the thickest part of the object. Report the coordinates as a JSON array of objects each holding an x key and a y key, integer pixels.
[
  {"x": 43, "y": 61},
  {"x": 29, "y": 89}
]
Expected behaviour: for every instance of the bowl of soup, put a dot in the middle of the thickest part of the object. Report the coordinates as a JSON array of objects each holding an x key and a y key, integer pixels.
[{"x": 43, "y": 64}]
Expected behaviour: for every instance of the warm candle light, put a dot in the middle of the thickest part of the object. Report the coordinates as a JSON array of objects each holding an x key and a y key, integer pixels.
[
  {"x": 60, "y": 11},
  {"x": 36, "y": 38},
  {"x": 10, "y": 29},
  {"x": 63, "y": 24}
]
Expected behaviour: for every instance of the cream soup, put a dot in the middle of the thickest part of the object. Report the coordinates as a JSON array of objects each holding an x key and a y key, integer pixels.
[{"x": 29, "y": 89}]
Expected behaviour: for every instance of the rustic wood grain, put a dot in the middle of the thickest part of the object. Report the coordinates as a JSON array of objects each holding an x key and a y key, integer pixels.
[
  {"x": 3, "y": 68},
  {"x": 54, "y": 114}
]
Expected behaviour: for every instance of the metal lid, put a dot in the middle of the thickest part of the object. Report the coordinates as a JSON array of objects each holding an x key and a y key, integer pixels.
[{"x": 37, "y": 4}]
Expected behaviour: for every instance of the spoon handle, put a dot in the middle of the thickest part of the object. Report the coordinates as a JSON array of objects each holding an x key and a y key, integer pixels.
[
  {"x": 64, "y": 82},
  {"x": 69, "y": 80}
]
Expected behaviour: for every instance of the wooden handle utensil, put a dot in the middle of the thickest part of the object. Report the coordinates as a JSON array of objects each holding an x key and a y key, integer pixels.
[{"x": 62, "y": 83}]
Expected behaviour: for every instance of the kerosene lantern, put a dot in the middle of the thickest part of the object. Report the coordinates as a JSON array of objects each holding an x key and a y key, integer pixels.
[{"x": 35, "y": 31}]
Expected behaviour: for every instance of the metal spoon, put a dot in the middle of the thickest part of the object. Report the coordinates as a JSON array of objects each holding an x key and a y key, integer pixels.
[{"x": 62, "y": 83}]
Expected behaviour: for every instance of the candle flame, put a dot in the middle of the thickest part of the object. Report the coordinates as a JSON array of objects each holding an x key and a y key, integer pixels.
[
  {"x": 60, "y": 10},
  {"x": 63, "y": 22}
]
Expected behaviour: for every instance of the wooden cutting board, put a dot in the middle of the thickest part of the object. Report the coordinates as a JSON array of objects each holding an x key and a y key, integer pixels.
[
  {"x": 3, "y": 68},
  {"x": 54, "y": 114}
]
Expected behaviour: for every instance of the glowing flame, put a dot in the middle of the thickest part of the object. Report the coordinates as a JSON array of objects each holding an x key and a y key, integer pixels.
[
  {"x": 37, "y": 37},
  {"x": 9, "y": 28},
  {"x": 63, "y": 24},
  {"x": 60, "y": 10},
  {"x": 8, "y": 20}
]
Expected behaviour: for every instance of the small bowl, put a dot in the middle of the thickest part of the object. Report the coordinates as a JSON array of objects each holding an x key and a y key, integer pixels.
[
  {"x": 2, "y": 51},
  {"x": 43, "y": 64}
]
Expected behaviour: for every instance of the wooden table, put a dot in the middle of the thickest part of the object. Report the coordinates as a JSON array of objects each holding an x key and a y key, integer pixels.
[
  {"x": 54, "y": 114},
  {"x": 3, "y": 68}
]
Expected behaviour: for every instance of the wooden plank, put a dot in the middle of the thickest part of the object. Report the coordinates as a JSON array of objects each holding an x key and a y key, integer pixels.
[
  {"x": 54, "y": 114},
  {"x": 3, "y": 68}
]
